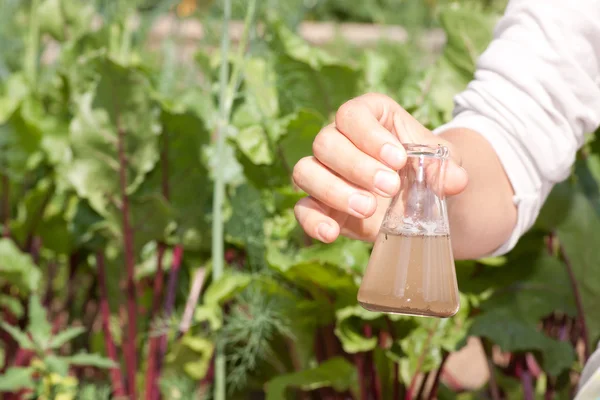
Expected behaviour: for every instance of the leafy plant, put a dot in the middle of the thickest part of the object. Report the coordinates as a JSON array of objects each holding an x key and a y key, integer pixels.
[{"x": 149, "y": 246}]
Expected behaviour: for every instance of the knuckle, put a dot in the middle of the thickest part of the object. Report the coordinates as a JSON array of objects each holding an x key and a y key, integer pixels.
[
  {"x": 345, "y": 113},
  {"x": 323, "y": 143},
  {"x": 299, "y": 171}
]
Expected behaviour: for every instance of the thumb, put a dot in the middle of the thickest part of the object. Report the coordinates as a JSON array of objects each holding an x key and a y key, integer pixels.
[{"x": 410, "y": 130}]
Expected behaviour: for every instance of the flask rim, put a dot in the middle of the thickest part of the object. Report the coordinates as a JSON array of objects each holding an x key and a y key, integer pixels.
[{"x": 424, "y": 150}]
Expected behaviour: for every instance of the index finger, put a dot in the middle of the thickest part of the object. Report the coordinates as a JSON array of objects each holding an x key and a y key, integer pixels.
[{"x": 360, "y": 121}]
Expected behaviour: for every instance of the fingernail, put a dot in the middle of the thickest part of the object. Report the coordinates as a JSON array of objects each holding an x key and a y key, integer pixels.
[
  {"x": 324, "y": 231},
  {"x": 360, "y": 203},
  {"x": 387, "y": 182},
  {"x": 392, "y": 155}
]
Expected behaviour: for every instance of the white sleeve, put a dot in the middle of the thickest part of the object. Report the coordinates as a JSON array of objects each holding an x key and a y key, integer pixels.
[{"x": 535, "y": 94}]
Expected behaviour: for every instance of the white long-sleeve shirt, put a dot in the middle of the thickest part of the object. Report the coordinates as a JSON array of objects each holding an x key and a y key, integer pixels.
[{"x": 535, "y": 94}]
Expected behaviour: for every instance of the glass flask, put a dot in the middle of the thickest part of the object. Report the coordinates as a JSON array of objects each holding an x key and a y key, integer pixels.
[{"x": 411, "y": 269}]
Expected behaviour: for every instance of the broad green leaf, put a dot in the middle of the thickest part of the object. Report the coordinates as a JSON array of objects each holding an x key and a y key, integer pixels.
[
  {"x": 51, "y": 19},
  {"x": 429, "y": 95},
  {"x": 190, "y": 356},
  {"x": 57, "y": 365},
  {"x": 17, "y": 267},
  {"x": 39, "y": 328},
  {"x": 31, "y": 210},
  {"x": 15, "y": 90},
  {"x": 253, "y": 142},
  {"x": 20, "y": 138},
  {"x": 12, "y": 304},
  {"x": 16, "y": 378},
  {"x": 90, "y": 360},
  {"x": 336, "y": 373},
  {"x": 513, "y": 333},
  {"x": 347, "y": 326},
  {"x": 246, "y": 224},
  {"x": 106, "y": 117},
  {"x": 188, "y": 185},
  {"x": 260, "y": 89},
  {"x": 65, "y": 336},
  {"x": 300, "y": 133},
  {"x": 211, "y": 314},
  {"x": 578, "y": 232},
  {"x": 20, "y": 336},
  {"x": 468, "y": 34},
  {"x": 226, "y": 287}
]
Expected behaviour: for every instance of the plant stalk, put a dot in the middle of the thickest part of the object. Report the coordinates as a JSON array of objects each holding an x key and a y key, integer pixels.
[
  {"x": 152, "y": 372},
  {"x": 128, "y": 240},
  {"x": 578, "y": 303},
  {"x": 115, "y": 373},
  {"x": 33, "y": 45},
  {"x": 494, "y": 390},
  {"x": 438, "y": 375},
  {"x": 219, "y": 194},
  {"x": 6, "y": 205}
]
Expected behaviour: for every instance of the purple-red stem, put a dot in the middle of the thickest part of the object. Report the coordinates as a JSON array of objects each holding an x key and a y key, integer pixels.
[
  {"x": 153, "y": 372},
  {"x": 436, "y": 379},
  {"x": 578, "y": 302},
  {"x": 413, "y": 381},
  {"x": 169, "y": 300},
  {"x": 128, "y": 240},
  {"x": 6, "y": 205},
  {"x": 494, "y": 390},
  {"x": 115, "y": 373},
  {"x": 526, "y": 379},
  {"x": 375, "y": 383},
  {"x": 362, "y": 376},
  {"x": 396, "y": 368}
]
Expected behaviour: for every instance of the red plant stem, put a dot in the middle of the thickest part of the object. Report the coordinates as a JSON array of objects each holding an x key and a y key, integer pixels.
[
  {"x": 130, "y": 346},
  {"x": 578, "y": 303},
  {"x": 152, "y": 371},
  {"x": 422, "y": 385},
  {"x": 436, "y": 379},
  {"x": 495, "y": 392},
  {"x": 526, "y": 379},
  {"x": 396, "y": 368},
  {"x": 362, "y": 376},
  {"x": 49, "y": 290},
  {"x": 375, "y": 383},
  {"x": 115, "y": 373},
  {"x": 170, "y": 300},
  {"x": 413, "y": 382},
  {"x": 6, "y": 205}
]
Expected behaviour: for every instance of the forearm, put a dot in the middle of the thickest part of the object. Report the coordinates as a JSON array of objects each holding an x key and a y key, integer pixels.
[{"x": 483, "y": 216}]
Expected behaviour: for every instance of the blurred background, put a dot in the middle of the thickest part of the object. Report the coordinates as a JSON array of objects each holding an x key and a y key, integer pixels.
[{"x": 149, "y": 247}]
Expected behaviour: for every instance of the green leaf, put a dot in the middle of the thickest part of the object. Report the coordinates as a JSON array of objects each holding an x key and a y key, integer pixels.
[
  {"x": 577, "y": 233},
  {"x": 90, "y": 360},
  {"x": 468, "y": 34},
  {"x": 190, "y": 356},
  {"x": 12, "y": 304},
  {"x": 335, "y": 372},
  {"x": 253, "y": 143},
  {"x": 211, "y": 314},
  {"x": 246, "y": 224},
  {"x": 226, "y": 287},
  {"x": 57, "y": 365},
  {"x": 106, "y": 115},
  {"x": 300, "y": 133},
  {"x": 260, "y": 89},
  {"x": 15, "y": 90},
  {"x": 20, "y": 138},
  {"x": 17, "y": 267},
  {"x": 347, "y": 331},
  {"x": 512, "y": 334},
  {"x": 65, "y": 336},
  {"x": 51, "y": 19},
  {"x": 307, "y": 77},
  {"x": 20, "y": 336},
  {"x": 16, "y": 378},
  {"x": 39, "y": 328}
]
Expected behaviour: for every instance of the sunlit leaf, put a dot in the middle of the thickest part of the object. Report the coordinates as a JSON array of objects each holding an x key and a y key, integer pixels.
[
  {"x": 15, "y": 378},
  {"x": 17, "y": 267}
]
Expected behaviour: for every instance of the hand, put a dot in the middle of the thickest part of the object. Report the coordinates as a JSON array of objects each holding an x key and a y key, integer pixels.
[{"x": 352, "y": 176}]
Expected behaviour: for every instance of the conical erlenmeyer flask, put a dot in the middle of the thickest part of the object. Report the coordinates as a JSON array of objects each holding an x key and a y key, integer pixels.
[{"x": 411, "y": 269}]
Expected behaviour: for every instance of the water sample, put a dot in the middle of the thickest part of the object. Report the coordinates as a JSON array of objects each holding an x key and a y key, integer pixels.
[{"x": 411, "y": 269}]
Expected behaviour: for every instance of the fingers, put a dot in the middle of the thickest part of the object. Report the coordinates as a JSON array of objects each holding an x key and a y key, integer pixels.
[
  {"x": 315, "y": 220},
  {"x": 362, "y": 126},
  {"x": 319, "y": 182},
  {"x": 340, "y": 155}
]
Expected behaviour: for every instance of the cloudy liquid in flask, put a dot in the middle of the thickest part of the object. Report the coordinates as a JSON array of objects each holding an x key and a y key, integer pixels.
[{"x": 411, "y": 274}]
